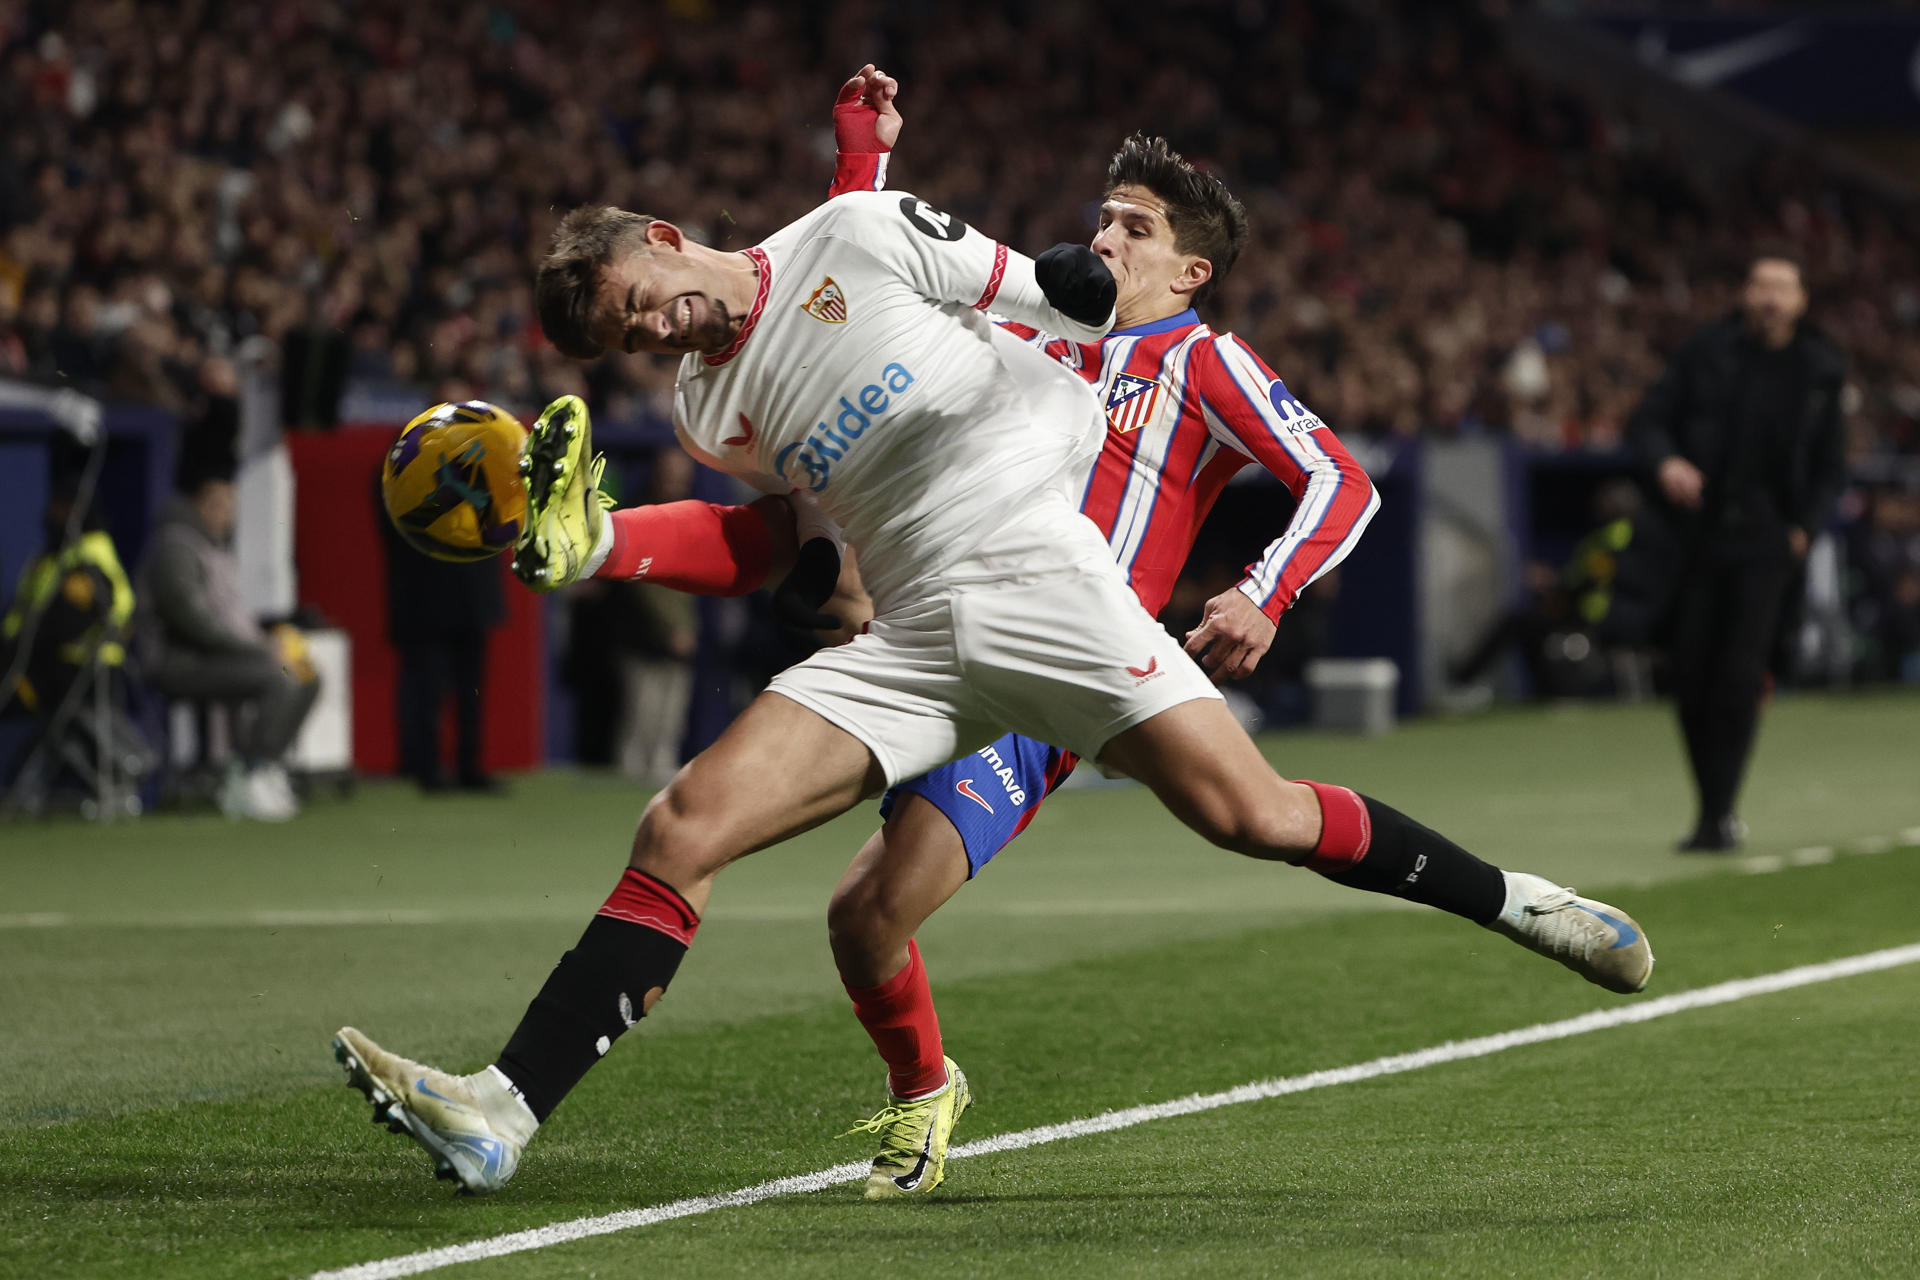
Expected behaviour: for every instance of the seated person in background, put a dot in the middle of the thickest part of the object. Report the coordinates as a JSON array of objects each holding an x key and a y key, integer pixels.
[{"x": 197, "y": 640}]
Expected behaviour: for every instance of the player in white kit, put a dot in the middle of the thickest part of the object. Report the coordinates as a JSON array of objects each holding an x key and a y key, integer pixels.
[{"x": 848, "y": 358}]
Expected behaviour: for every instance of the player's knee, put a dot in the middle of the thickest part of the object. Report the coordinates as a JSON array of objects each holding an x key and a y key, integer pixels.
[
  {"x": 868, "y": 914},
  {"x": 675, "y": 840},
  {"x": 1279, "y": 823}
]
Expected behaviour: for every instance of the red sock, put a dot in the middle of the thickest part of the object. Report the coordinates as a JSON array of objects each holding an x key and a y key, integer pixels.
[
  {"x": 1346, "y": 832},
  {"x": 899, "y": 1015},
  {"x": 698, "y": 547},
  {"x": 641, "y": 899}
]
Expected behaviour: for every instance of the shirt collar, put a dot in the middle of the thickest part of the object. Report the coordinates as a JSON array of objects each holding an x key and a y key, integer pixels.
[{"x": 1185, "y": 318}]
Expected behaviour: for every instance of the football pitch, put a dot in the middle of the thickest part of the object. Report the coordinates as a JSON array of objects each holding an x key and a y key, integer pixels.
[{"x": 169, "y": 1107}]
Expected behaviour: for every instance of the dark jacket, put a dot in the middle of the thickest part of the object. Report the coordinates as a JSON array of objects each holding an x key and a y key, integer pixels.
[
  {"x": 430, "y": 601},
  {"x": 1691, "y": 411}
]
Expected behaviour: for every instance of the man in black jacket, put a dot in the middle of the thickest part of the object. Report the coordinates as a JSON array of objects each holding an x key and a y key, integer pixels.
[
  {"x": 1744, "y": 437},
  {"x": 438, "y": 617}
]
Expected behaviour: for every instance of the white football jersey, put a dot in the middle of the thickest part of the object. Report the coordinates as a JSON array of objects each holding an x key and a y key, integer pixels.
[{"x": 868, "y": 376}]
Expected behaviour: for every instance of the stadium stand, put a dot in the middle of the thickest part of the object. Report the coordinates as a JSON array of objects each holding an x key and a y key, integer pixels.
[{"x": 1447, "y": 243}]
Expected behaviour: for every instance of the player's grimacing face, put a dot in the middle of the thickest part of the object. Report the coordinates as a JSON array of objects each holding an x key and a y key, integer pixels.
[
  {"x": 658, "y": 300},
  {"x": 1136, "y": 242}
]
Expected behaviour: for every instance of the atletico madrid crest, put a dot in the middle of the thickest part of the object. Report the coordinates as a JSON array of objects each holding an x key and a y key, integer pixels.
[
  {"x": 828, "y": 303},
  {"x": 1131, "y": 401}
]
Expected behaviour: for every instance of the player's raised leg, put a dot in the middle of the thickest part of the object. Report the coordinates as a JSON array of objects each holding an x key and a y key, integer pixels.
[
  {"x": 1208, "y": 772},
  {"x": 777, "y": 770}
]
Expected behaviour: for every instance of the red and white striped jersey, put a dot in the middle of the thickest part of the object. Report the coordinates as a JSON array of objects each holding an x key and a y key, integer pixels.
[{"x": 1186, "y": 408}]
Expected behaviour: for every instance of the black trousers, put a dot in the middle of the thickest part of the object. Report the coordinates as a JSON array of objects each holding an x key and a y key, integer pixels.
[
  {"x": 430, "y": 670},
  {"x": 1726, "y": 619}
]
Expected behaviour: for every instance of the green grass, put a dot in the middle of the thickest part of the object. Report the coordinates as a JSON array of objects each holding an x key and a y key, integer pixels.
[{"x": 169, "y": 1108}]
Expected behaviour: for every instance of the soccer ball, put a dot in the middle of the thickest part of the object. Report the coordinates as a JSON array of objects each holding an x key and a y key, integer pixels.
[{"x": 451, "y": 482}]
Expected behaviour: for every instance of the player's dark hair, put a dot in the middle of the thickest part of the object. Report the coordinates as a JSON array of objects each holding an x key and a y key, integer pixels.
[
  {"x": 584, "y": 244},
  {"x": 1205, "y": 218}
]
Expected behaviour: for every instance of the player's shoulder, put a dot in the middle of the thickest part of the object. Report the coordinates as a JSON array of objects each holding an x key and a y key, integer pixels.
[
  {"x": 864, "y": 210},
  {"x": 879, "y": 218},
  {"x": 1229, "y": 355}
]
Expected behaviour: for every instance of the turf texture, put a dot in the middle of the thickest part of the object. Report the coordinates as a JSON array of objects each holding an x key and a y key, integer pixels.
[{"x": 168, "y": 1108}]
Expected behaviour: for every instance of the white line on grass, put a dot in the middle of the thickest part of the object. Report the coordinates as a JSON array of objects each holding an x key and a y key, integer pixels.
[{"x": 1454, "y": 1051}]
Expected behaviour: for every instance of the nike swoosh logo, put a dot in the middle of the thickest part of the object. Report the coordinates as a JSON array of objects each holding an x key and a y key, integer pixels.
[
  {"x": 1717, "y": 64},
  {"x": 746, "y": 434},
  {"x": 1628, "y": 934},
  {"x": 908, "y": 1181},
  {"x": 965, "y": 788},
  {"x": 420, "y": 1086}
]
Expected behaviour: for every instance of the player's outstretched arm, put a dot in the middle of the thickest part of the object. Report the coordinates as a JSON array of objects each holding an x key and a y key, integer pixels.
[
  {"x": 866, "y": 124},
  {"x": 1252, "y": 412}
]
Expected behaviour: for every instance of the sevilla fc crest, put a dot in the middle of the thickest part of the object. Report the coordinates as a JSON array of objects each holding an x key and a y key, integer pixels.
[
  {"x": 828, "y": 303},
  {"x": 1131, "y": 402}
]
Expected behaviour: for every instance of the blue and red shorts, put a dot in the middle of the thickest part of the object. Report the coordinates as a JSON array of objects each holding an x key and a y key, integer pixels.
[{"x": 992, "y": 794}]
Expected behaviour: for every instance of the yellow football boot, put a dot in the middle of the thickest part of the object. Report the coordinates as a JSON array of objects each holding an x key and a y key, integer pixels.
[
  {"x": 913, "y": 1139},
  {"x": 565, "y": 508}
]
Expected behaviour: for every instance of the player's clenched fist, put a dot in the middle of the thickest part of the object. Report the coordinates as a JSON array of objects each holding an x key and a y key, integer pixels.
[
  {"x": 864, "y": 117},
  {"x": 1232, "y": 637},
  {"x": 1077, "y": 283}
]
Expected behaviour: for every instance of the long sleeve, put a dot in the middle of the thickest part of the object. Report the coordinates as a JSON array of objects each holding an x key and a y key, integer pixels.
[
  {"x": 1250, "y": 410},
  {"x": 1653, "y": 431}
]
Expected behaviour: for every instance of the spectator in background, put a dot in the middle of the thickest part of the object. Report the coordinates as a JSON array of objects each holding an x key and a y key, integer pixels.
[
  {"x": 197, "y": 641},
  {"x": 438, "y": 617},
  {"x": 1744, "y": 438}
]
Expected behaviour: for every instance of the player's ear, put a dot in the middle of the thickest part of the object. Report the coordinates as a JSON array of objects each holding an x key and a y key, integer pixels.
[
  {"x": 664, "y": 235},
  {"x": 1196, "y": 273}
]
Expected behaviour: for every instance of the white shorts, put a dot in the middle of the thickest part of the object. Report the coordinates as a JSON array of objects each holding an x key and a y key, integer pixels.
[{"x": 1037, "y": 633}]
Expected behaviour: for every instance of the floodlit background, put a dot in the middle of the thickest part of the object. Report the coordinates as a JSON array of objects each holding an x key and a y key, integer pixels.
[{"x": 257, "y": 238}]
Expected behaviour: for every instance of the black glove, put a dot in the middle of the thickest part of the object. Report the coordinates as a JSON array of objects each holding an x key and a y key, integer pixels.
[
  {"x": 797, "y": 600},
  {"x": 1077, "y": 283}
]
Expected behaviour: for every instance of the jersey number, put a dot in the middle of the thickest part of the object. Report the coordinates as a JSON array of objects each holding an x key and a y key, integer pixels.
[{"x": 929, "y": 221}]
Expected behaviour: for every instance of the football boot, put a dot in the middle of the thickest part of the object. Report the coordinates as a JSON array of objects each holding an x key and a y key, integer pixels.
[
  {"x": 565, "y": 508},
  {"x": 913, "y": 1139},
  {"x": 1600, "y": 943},
  {"x": 472, "y": 1126}
]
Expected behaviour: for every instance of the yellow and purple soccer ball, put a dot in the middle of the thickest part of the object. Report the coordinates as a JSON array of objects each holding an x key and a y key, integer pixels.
[{"x": 451, "y": 483}]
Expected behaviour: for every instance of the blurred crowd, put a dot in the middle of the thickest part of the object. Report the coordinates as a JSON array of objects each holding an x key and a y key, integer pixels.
[{"x": 1443, "y": 243}]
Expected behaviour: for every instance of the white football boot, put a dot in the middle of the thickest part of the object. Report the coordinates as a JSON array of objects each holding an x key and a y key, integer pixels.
[
  {"x": 1600, "y": 943},
  {"x": 473, "y": 1126}
]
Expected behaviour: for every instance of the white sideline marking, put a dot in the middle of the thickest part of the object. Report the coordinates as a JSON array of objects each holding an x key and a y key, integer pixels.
[
  {"x": 35, "y": 920},
  {"x": 1454, "y": 1051}
]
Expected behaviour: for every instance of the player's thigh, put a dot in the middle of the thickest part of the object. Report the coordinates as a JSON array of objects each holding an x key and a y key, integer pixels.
[
  {"x": 1202, "y": 765},
  {"x": 778, "y": 770}
]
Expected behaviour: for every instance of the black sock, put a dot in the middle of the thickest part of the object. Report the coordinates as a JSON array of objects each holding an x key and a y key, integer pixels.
[
  {"x": 599, "y": 989},
  {"x": 1410, "y": 861}
]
